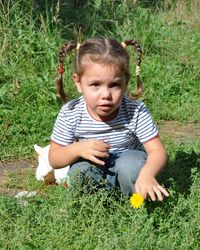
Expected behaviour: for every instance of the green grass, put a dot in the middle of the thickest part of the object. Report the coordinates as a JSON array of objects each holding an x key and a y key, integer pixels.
[
  {"x": 30, "y": 36},
  {"x": 68, "y": 218}
]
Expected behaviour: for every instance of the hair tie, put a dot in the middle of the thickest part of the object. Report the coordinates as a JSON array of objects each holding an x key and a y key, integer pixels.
[
  {"x": 78, "y": 46},
  {"x": 123, "y": 44},
  {"x": 137, "y": 70},
  {"x": 61, "y": 69}
]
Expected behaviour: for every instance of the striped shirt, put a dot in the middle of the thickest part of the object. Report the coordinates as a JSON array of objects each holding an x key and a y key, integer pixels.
[{"x": 131, "y": 127}]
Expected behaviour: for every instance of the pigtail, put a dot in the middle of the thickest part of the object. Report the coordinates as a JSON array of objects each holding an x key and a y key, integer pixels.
[
  {"x": 59, "y": 81},
  {"x": 138, "y": 62}
]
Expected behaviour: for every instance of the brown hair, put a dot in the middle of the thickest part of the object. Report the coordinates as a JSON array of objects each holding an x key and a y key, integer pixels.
[{"x": 100, "y": 50}]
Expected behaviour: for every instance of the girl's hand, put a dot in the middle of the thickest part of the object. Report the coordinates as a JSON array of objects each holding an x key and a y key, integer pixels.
[
  {"x": 94, "y": 150},
  {"x": 148, "y": 185}
]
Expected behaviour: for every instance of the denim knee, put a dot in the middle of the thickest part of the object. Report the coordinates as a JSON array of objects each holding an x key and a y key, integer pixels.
[
  {"x": 85, "y": 168},
  {"x": 129, "y": 165}
]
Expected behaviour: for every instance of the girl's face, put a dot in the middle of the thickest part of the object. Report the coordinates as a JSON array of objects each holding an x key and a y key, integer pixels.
[{"x": 102, "y": 87}]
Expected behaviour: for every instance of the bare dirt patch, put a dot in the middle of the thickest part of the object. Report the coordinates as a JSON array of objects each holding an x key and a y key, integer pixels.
[
  {"x": 178, "y": 132},
  {"x": 19, "y": 169},
  {"x": 13, "y": 166}
]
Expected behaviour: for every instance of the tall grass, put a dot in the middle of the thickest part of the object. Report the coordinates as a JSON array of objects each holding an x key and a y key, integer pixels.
[{"x": 31, "y": 33}]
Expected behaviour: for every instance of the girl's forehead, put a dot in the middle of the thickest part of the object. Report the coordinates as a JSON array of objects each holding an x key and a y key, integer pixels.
[
  {"x": 104, "y": 73},
  {"x": 91, "y": 60}
]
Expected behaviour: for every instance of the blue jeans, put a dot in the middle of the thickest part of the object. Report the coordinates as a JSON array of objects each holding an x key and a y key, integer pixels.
[{"x": 121, "y": 169}]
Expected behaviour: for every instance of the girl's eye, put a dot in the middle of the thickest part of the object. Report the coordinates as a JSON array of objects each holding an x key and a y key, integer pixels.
[
  {"x": 116, "y": 85},
  {"x": 95, "y": 84}
]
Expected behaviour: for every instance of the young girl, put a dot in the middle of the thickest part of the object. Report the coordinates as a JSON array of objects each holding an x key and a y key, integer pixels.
[{"x": 104, "y": 133}]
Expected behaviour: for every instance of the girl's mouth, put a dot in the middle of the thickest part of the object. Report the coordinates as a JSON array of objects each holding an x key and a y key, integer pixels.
[{"x": 105, "y": 107}]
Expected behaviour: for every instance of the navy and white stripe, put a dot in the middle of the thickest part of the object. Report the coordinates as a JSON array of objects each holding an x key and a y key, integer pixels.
[{"x": 129, "y": 130}]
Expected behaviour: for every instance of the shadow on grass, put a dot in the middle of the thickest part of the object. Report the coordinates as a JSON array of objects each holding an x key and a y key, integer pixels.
[
  {"x": 178, "y": 175},
  {"x": 178, "y": 179}
]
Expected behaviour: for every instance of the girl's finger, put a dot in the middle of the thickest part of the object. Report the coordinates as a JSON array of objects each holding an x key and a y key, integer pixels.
[
  {"x": 158, "y": 193},
  {"x": 103, "y": 148},
  {"x": 152, "y": 195},
  {"x": 163, "y": 190},
  {"x": 97, "y": 161},
  {"x": 101, "y": 154},
  {"x": 137, "y": 189},
  {"x": 140, "y": 191}
]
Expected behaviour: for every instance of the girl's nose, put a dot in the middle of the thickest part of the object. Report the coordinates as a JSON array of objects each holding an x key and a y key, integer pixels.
[{"x": 106, "y": 94}]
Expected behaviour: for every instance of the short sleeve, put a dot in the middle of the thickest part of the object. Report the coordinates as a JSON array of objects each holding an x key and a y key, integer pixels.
[
  {"x": 63, "y": 132},
  {"x": 145, "y": 129}
]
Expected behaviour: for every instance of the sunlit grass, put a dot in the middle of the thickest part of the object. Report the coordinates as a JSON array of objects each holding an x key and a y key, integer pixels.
[{"x": 57, "y": 217}]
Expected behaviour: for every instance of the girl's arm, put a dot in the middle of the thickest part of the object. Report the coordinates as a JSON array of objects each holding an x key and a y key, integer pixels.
[
  {"x": 92, "y": 150},
  {"x": 146, "y": 183}
]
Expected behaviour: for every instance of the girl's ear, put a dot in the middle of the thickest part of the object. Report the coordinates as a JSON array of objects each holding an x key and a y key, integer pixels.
[{"x": 77, "y": 82}]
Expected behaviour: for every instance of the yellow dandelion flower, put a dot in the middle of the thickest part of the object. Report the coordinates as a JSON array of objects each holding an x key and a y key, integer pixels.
[{"x": 136, "y": 200}]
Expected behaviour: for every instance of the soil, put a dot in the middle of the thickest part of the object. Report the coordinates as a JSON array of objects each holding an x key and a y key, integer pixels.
[
  {"x": 13, "y": 167},
  {"x": 178, "y": 132}
]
